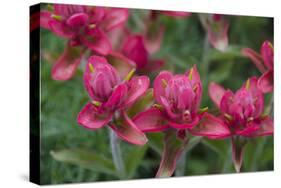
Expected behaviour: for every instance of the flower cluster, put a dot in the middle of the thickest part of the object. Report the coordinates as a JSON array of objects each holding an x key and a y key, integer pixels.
[{"x": 116, "y": 77}]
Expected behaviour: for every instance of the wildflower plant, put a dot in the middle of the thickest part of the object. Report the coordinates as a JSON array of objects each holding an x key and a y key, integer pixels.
[{"x": 156, "y": 93}]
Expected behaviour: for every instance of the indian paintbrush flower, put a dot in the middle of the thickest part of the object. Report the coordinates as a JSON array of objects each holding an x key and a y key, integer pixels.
[
  {"x": 111, "y": 94},
  {"x": 242, "y": 112},
  {"x": 264, "y": 62},
  {"x": 84, "y": 27},
  {"x": 178, "y": 99}
]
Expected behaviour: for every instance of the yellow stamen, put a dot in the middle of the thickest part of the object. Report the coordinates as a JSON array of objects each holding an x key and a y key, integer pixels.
[
  {"x": 91, "y": 67},
  {"x": 157, "y": 106},
  {"x": 270, "y": 45},
  {"x": 96, "y": 103},
  {"x": 248, "y": 84},
  {"x": 202, "y": 110},
  {"x": 164, "y": 83},
  {"x": 92, "y": 26},
  {"x": 130, "y": 74},
  {"x": 227, "y": 116},
  {"x": 250, "y": 119},
  {"x": 56, "y": 17},
  {"x": 190, "y": 74}
]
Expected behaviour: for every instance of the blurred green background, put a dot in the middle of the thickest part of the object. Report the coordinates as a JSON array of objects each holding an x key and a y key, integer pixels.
[{"x": 70, "y": 153}]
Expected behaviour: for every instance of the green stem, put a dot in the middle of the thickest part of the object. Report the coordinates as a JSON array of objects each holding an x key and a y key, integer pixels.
[
  {"x": 116, "y": 154},
  {"x": 181, "y": 164}
]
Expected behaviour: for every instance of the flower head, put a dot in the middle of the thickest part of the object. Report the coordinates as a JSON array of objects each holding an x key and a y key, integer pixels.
[
  {"x": 217, "y": 27},
  {"x": 110, "y": 95},
  {"x": 84, "y": 27},
  {"x": 178, "y": 99},
  {"x": 242, "y": 112},
  {"x": 264, "y": 62}
]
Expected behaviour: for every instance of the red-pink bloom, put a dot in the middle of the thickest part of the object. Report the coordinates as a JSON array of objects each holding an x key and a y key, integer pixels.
[
  {"x": 84, "y": 27},
  {"x": 178, "y": 100},
  {"x": 111, "y": 95},
  {"x": 217, "y": 27},
  {"x": 264, "y": 62},
  {"x": 134, "y": 48},
  {"x": 242, "y": 112}
]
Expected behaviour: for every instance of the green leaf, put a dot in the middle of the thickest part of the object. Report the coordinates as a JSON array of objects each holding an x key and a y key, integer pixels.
[
  {"x": 155, "y": 141},
  {"x": 142, "y": 103},
  {"x": 218, "y": 146},
  {"x": 133, "y": 159},
  {"x": 86, "y": 159}
]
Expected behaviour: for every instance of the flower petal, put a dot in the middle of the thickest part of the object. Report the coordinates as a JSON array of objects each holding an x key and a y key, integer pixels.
[
  {"x": 265, "y": 82},
  {"x": 211, "y": 127},
  {"x": 127, "y": 130},
  {"x": 158, "y": 87},
  {"x": 45, "y": 17},
  {"x": 90, "y": 119},
  {"x": 66, "y": 65},
  {"x": 267, "y": 54},
  {"x": 137, "y": 87},
  {"x": 217, "y": 34},
  {"x": 190, "y": 125},
  {"x": 77, "y": 20},
  {"x": 134, "y": 49},
  {"x": 122, "y": 64},
  {"x": 117, "y": 98},
  {"x": 60, "y": 29},
  {"x": 97, "y": 41},
  {"x": 265, "y": 127},
  {"x": 173, "y": 148},
  {"x": 226, "y": 101},
  {"x": 96, "y": 61},
  {"x": 115, "y": 17},
  {"x": 255, "y": 57},
  {"x": 153, "y": 36},
  {"x": 216, "y": 93},
  {"x": 151, "y": 120},
  {"x": 153, "y": 65}
]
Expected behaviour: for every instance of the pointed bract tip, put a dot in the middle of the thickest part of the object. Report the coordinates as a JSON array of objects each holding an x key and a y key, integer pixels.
[
  {"x": 91, "y": 67},
  {"x": 247, "y": 84},
  {"x": 164, "y": 83},
  {"x": 96, "y": 103},
  {"x": 56, "y": 17},
  {"x": 190, "y": 74}
]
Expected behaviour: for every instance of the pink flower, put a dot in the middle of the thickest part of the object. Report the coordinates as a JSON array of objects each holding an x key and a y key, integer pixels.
[
  {"x": 111, "y": 94},
  {"x": 242, "y": 112},
  {"x": 264, "y": 62},
  {"x": 178, "y": 100},
  {"x": 217, "y": 27},
  {"x": 134, "y": 48},
  {"x": 84, "y": 27}
]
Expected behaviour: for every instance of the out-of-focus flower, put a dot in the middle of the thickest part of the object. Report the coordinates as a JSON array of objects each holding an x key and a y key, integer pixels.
[
  {"x": 84, "y": 27},
  {"x": 217, "y": 27},
  {"x": 111, "y": 94},
  {"x": 242, "y": 112},
  {"x": 264, "y": 62},
  {"x": 134, "y": 48},
  {"x": 178, "y": 100}
]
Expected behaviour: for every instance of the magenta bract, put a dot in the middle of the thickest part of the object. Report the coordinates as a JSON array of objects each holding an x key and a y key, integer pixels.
[
  {"x": 242, "y": 113},
  {"x": 179, "y": 98},
  {"x": 111, "y": 94},
  {"x": 264, "y": 62}
]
